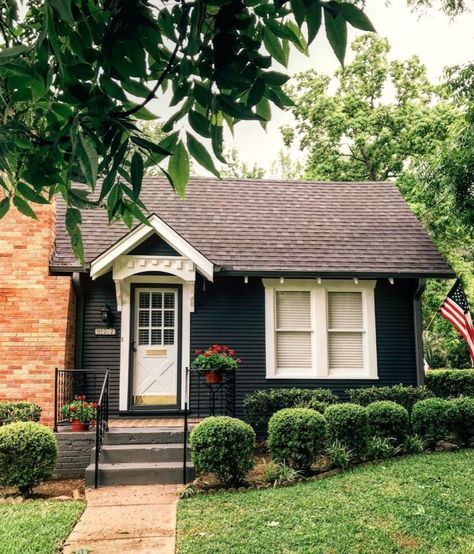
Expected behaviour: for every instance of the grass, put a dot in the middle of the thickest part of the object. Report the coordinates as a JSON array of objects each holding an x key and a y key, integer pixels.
[
  {"x": 38, "y": 527},
  {"x": 417, "y": 504}
]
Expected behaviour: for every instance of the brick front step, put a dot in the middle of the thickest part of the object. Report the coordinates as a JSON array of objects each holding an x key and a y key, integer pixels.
[{"x": 141, "y": 453}]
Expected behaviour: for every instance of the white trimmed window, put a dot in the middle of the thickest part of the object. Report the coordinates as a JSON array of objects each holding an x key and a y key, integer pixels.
[{"x": 320, "y": 331}]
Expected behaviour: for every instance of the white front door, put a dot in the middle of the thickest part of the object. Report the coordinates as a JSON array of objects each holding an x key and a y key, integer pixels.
[{"x": 155, "y": 347}]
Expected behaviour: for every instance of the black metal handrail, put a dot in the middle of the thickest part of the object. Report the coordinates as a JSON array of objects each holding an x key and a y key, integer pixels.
[
  {"x": 101, "y": 424},
  {"x": 70, "y": 382},
  {"x": 186, "y": 426}
]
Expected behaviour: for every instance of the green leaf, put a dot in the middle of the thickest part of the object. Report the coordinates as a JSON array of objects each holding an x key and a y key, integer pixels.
[
  {"x": 23, "y": 207},
  {"x": 136, "y": 172},
  {"x": 299, "y": 11},
  {"x": 264, "y": 110},
  {"x": 107, "y": 184},
  {"x": 4, "y": 207},
  {"x": 63, "y": 7},
  {"x": 313, "y": 19},
  {"x": 73, "y": 220},
  {"x": 88, "y": 159},
  {"x": 178, "y": 169},
  {"x": 217, "y": 138},
  {"x": 201, "y": 155},
  {"x": 112, "y": 88},
  {"x": 256, "y": 92},
  {"x": 356, "y": 17},
  {"x": 199, "y": 123},
  {"x": 13, "y": 51},
  {"x": 151, "y": 146},
  {"x": 136, "y": 88},
  {"x": 236, "y": 110},
  {"x": 274, "y": 47},
  {"x": 336, "y": 32},
  {"x": 275, "y": 78},
  {"x": 30, "y": 194}
]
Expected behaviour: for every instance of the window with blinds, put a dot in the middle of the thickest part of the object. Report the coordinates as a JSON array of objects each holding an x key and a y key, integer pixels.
[
  {"x": 293, "y": 332},
  {"x": 345, "y": 332}
]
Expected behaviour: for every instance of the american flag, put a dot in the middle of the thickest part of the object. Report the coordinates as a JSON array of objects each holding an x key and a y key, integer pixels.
[{"x": 455, "y": 309}]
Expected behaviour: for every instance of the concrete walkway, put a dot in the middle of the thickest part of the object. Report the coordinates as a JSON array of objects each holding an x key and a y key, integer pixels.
[{"x": 127, "y": 519}]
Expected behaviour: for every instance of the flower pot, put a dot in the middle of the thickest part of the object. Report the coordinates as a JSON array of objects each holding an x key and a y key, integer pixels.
[
  {"x": 213, "y": 378},
  {"x": 79, "y": 426}
]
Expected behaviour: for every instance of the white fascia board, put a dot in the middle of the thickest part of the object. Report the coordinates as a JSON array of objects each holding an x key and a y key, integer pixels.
[{"x": 103, "y": 263}]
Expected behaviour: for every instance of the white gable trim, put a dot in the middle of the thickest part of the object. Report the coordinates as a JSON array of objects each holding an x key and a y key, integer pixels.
[{"x": 103, "y": 263}]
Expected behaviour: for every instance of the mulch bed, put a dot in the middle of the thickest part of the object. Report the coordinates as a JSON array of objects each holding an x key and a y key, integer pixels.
[{"x": 62, "y": 489}]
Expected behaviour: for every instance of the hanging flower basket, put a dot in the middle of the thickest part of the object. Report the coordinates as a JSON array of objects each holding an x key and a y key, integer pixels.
[{"x": 214, "y": 362}]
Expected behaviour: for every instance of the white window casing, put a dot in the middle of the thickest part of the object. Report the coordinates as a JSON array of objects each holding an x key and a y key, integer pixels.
[{"x": 322, "y": 330}]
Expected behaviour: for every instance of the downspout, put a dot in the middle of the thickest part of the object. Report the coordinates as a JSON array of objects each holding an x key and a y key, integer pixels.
[
  {"x": 79, "y": 292},
  {"x": 418, "y": 326}
]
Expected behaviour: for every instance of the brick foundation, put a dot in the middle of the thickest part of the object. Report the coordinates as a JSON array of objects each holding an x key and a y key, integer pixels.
[
  {"x": 74, "y": 454},
  {"x": 37, "y": 311}
]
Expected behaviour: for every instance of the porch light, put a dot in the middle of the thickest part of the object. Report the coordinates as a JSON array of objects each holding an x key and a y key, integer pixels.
[{"x": 106, "y": 315}]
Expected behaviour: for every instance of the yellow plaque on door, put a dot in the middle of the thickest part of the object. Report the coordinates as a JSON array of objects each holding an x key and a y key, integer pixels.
[{"x": 157, "y": 352}]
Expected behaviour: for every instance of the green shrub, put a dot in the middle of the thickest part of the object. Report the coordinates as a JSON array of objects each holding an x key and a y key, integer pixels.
[
  {"x": 379, "y": 448},
  {"x": 296, "y": 436},
  {"x": 28, "y": 452},
  {"x": 450, "y": 383},
  {"x": 223, "y": 446},
  {"x": 348, "y": 424},
  {"x": 19, "y": 410},
  {"x": 279, "y": 473},
  {"x": 431, "y": 419},
  {"x": 314, "y": 405},
  {"x": 462, "y": 420},
  {"x": 405, "y": 395},
  {"x": 262, "y": 404},
  {"x": 413, "y": 444},
  {"x": 388, "y": 419},
  {"x": 339, "y": 454}
]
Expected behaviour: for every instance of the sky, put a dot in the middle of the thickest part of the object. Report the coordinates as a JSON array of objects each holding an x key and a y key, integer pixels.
[{"x": 434, "y": 37}]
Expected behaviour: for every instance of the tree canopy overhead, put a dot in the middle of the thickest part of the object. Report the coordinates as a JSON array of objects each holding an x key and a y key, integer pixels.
[{"x": 77, "y": 75}]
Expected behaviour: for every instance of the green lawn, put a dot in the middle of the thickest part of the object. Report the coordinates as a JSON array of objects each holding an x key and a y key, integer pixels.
[
  {"x": 419, "y": 504},
  {"x": 37, "y": 527}
]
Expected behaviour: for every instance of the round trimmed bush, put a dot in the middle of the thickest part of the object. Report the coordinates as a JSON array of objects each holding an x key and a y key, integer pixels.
[
  {"x": 348, "y": 424},
  {"x": 223, "y": 446},
  {"x": 296, "y": 436},
  {"x": 431, "y": 419},
  {"x": 12, "y": 411},
  {"x": 28, "y": 452},
  {"x": 462, "y": 419},
  {"x": 388, "y": 420}
]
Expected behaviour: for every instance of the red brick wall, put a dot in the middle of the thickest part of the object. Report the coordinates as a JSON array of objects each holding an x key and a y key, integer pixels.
[{"x": 37, "y": 311}]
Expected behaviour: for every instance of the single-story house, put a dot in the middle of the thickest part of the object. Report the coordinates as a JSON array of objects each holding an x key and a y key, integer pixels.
[{"x": 313, "y": 284}]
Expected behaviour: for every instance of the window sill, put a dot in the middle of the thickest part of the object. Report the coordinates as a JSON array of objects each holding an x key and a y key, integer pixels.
[{"x": 348, "y": 377}]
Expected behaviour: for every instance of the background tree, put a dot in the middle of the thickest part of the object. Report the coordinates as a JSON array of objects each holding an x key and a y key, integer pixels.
[
  {"x": 355, "y": 133},
  {"x": 76, "y": 77},
  {"x": 386, "y": 120}
]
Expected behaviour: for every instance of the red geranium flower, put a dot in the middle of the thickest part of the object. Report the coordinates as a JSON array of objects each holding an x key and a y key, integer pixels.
[{"x": 73, "y": 409}]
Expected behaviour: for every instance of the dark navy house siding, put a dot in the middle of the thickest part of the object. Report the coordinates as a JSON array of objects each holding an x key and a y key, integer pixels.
[{"x": 231, "y": 312}]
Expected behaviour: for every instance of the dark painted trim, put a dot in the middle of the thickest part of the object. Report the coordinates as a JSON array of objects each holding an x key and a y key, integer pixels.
[
  {"x": 335, "y": 274},
  {"x": 146, "y": 409},
  {"x": 418, "y": 328},
  {"x": 79, "y": 333}
]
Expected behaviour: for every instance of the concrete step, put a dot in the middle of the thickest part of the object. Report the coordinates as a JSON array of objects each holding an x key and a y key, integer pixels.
[
  {"x": 141, "y": 453},
  {"x": 140, "y": 473},
  {"x": 144, "y": 435}
]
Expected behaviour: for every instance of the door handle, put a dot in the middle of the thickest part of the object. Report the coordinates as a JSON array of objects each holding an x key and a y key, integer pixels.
[{"x": 133, "y": 346}]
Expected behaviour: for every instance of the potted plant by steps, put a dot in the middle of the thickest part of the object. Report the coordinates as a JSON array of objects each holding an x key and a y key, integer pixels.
[
  {"x": 80, "y": 413},
  {"x": 214, "y": 362}
]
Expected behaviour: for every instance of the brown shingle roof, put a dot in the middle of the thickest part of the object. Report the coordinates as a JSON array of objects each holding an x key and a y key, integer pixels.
[{"x": 273, "y": 226}]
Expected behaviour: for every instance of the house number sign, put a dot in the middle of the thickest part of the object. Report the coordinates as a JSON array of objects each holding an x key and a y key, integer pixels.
[{"x": 105, "y": 331}]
